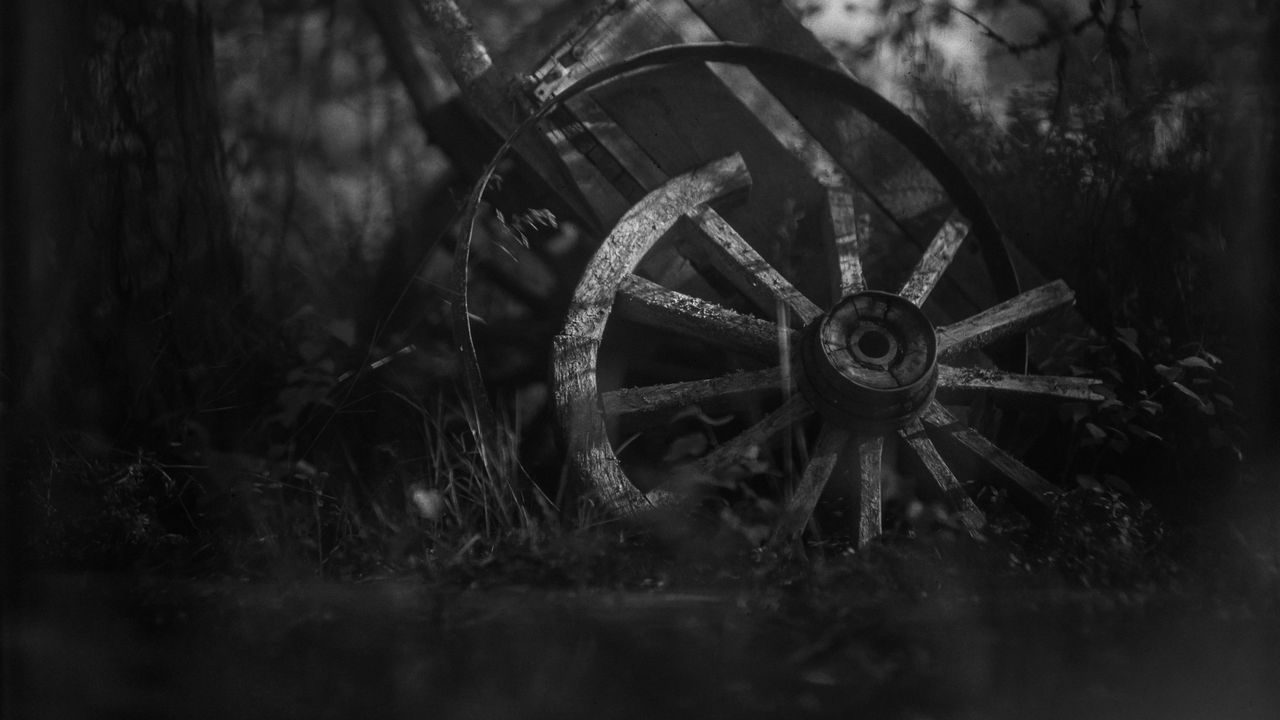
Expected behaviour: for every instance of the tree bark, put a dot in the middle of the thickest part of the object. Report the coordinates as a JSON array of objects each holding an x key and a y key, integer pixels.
[{"x": 120, "y": 297}]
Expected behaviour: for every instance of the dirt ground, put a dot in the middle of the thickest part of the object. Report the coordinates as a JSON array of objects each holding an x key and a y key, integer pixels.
[{"x": 936, "y": 634}]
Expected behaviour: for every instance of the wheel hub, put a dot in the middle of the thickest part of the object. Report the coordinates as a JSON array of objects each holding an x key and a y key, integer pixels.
[{"x": 870, "y": 362}]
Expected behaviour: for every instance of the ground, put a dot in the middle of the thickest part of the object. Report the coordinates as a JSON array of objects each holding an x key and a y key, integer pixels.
[{"x": 938, "y": 629}]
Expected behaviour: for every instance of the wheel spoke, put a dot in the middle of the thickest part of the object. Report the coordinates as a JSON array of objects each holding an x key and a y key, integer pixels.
[
  {"x": 831, "y": 442},
  {"x": 970, "y": 516},
  {"x": 792, "y": 412},
  {"x": 649, "y": 303},
  {"x": 638, "y": 231},
  {"x": 936, "y": 259},
  {"x": 652, "y": 398},
  {"x": 846, "y": 237},
  {"x": 954, "y": 382},
  {"x": 747, "y": 269},
  {"x": 870, "y": 451},
  {"x": 1030, "y": 481},
  {"x": 1013, "y": 315}
]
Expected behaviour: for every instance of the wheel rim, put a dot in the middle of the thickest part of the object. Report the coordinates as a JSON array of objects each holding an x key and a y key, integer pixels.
[{"x": 856, "y": 414}]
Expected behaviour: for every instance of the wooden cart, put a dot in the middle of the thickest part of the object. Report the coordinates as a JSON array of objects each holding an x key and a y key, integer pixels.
[{"x": 798, "y": 289}]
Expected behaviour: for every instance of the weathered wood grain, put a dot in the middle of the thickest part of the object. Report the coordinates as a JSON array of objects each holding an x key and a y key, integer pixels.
[
  {"x": 966, "y": 511},
  {"x": 1022, "y": 477},
  {"x": 870, "y": 452},
  {"x": 832, "y": 441},
  {"x": 647, "y": 302},
  {"x": 1011, "y": 316},
  {"x": 954, "y": 382},
  {"x": 606, "y": 200},
  {"x": 590, "y": 457},
  {"x": 653, "y": 398},
  {"x": 634, "y": 160},
  {"x": 936, "y": 259},
  {"x": 637, "y": 232},
  {"x": 747, "y": 269},
  {"x": 846, "y": 230},
  {"x": 763, "y": 105}
]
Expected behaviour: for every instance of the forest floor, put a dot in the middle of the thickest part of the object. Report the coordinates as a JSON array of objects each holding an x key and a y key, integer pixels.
[{"x": 938, "y": 629}]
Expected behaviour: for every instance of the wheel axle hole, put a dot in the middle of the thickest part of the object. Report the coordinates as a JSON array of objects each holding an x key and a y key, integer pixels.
[{"x": 874, "y": 344}]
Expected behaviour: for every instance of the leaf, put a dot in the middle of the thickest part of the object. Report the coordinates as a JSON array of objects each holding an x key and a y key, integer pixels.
[
  {"x": 686, "y": 446},
  {"x": 1187, "y": 392},
  {"x": 1088, "y": 482},
  {"x": 1192, "y": 361},
  {"x": 1128, "y": 337},
  {"x": 1172, "y": 374},
  {"x": 1151, "y": 407},
  {"x": 344, "y": 331},
  {"x": 1145, "y": 434},
  {"x": 1095, "y": 432},
  {"x": 1118, "y": 483}
]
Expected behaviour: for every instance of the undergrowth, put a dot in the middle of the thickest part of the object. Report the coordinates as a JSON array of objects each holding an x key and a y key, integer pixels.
[{"x": 447, "y": 496}]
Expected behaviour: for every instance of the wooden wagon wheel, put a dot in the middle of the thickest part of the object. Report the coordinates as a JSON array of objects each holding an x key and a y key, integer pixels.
[
  {"x": 865, "y": 366},
  {"x": 870, "y": 367}
]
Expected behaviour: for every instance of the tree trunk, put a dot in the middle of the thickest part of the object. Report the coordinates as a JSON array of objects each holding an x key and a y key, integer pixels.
[{"x": 119, "y": 299}]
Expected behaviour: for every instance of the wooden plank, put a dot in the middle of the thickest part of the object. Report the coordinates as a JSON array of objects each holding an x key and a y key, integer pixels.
[
  {"x": 770, "y": 24},
  {"x": 748, "y": 270},
  {"x": 935, "y": 261},
  {"x": 1011, "y": 316},
  {"x": 613, "y": 36},
  {"x": 858, "y": 145},
  {"x": 826, "y": 455},
  {"x": 870, "y": 452},
  {"x": 607, "y": 202},
  {"x": 954, "y": 382},
  {"x": 683, "y": 115},
  {"x": 846, "y": 230},
  {"x": 652, "y": 398},
  {"x": 1020, "y": 476},
  {"x": 647, "y": 302},
  {"x": 637, "y": 232},
  {"x": 791, "y": 413},
  {"x": 757, "y": 98},
  {"x": 633, "y": 159},
  {"x": 961, "y": 504}
]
